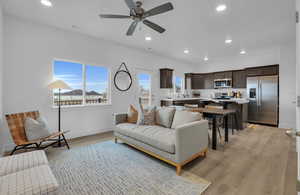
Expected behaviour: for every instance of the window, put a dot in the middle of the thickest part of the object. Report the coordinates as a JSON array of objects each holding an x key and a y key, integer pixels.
[
  {"x": 145, "y": 88},
  {"x": 70, "y": 73},
  {"x": 178, "y": 85},
  {"x": 96, "y": 85},
  {"x": 90, "y": 84}
]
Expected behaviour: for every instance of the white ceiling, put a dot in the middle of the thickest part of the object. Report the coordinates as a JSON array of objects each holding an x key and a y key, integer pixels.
[{"x": 193, "y": 24}]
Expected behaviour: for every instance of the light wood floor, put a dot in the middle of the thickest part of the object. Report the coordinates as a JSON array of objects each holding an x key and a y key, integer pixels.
[{"x": 257, "y": 161}]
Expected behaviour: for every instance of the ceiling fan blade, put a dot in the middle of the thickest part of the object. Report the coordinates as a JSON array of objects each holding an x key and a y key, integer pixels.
[
  {"x": 114, "y": 16},
  {"x": 130, "y": 4},
  {"x": 159, "y": 10},
  {"x": 154, "y": 26},
  {"x": 132, "y": 28}
]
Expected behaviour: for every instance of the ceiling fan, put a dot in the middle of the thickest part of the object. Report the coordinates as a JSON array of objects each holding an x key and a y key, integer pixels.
[{"x": 138, "y": 14}]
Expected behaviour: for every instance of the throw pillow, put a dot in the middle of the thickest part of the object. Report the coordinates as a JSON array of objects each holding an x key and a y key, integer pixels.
[
  {"x": 146, "y": 116},
  {"x": 164, "y": 116},
  {"x": 132, "y": 115},
  {"x": 36, "y": 129},
  {"x": 184, "y": 117}
]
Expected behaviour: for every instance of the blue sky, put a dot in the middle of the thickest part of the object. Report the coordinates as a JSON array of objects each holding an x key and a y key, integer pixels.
[
  {"x": 144, "y": 80},
  {"x": 178, "y": 81},
  {"x": 71, "y": 73}
]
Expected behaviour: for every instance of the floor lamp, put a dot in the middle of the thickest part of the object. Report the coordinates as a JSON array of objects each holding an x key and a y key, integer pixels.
[{"x": 58, "y": 84}]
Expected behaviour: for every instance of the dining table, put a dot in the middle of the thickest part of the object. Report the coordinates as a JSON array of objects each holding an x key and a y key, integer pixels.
[{"x": 214, "y": 113}]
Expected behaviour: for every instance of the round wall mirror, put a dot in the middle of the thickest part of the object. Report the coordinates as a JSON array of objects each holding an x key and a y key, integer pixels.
[{"x": 123, "y": 79}]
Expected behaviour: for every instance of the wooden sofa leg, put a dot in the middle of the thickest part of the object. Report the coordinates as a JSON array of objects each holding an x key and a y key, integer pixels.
[{"x": 178, "y": 169}]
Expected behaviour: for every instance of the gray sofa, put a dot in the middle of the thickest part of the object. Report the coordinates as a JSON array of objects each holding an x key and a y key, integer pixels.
[{"x": 176, "y": 146}]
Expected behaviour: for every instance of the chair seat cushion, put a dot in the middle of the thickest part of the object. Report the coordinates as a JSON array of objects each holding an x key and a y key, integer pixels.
[
  {"x": 156, "y": 136},
  {"x": 35, "y": 181},
  {"x": 19, "y": 162}
]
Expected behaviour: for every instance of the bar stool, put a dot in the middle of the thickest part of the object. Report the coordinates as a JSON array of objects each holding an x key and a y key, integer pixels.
[{"x": 219, "y": 122}]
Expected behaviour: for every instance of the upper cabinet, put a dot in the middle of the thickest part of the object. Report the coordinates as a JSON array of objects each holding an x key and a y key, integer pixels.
[
  {"x": 223, "y": 75},
  {"x": 197, "y": 81},
  {"x": 263, "y": 71},
  {"x": 209, "y": 81},
  {"x": 166, "y": 78},
  {"x": 239, "y": 79}
]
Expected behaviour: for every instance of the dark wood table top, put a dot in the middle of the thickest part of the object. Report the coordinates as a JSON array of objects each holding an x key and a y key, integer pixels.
[{"x": 214, "y": 111}]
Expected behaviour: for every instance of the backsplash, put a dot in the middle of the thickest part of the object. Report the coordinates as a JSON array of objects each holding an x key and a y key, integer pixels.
[
  {"x": 209, "y": 93},
  {"x": 206, "y": 93}
]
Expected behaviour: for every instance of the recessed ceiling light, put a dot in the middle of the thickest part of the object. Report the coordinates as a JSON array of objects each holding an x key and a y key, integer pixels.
[
  {"x": 46, "y": 3},
  {"x": 148, "y": 38},
  {"x": 186, "y": 51},
  {"x": 243, "y": 52},
  {"x": 228, "y": 41},
  {"x": 221, "y": 8},
  {"x": 205, "y": 58}
]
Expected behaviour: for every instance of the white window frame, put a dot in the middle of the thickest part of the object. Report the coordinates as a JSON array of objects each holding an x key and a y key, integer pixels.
[{"x": 84, "y": 104}]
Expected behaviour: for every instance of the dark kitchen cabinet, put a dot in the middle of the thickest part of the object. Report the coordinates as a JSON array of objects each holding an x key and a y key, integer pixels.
[
  {"x": 239, "y": 79},
  {"x": 209, "y": 81},
  {"x": 197, "y": 81},
  {"x": 223, "y": 75},
  {"x": 166, "y": 78},
  {"x": 263, "y": 71}
]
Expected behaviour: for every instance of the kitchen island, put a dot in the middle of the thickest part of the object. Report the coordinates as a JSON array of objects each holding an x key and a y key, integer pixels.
[{"x": 240, "y": 105}]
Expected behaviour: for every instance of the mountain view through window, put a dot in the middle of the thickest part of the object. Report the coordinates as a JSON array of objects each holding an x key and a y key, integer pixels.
[{"x": 90, "y": 84}]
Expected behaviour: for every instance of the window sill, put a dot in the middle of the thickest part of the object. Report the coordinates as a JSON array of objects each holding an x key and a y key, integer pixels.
[{"x": 83, "y": 106}]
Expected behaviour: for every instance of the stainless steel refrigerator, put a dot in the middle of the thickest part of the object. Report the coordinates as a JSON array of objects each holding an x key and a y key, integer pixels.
[{"x": 263, "y": 95}]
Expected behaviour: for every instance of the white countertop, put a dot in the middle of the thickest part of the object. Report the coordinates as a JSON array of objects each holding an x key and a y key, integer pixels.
[{"x": 235, "y": 100}]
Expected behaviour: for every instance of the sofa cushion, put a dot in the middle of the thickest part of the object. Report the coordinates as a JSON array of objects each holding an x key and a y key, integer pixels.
[
  {"x": 156, "y": 136},
  {"x": 183, "y": 117},
  {"x": 19, "y": 162},
  {"x": 35, "y": 181},
  {"x": 146, "y": 116},
  {"x": 132, "y": 115},
  {"x": 164, "y": 116}
]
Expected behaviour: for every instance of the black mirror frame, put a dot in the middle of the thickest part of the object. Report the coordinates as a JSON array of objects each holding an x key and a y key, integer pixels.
[{"x": 124, "y": 71}]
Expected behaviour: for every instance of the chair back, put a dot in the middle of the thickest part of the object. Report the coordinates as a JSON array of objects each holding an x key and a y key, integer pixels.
[{"x": 16, "y": 125}]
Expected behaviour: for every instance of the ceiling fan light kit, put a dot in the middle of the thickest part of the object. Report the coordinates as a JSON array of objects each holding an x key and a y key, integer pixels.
[{"x": 138, "y": 14}]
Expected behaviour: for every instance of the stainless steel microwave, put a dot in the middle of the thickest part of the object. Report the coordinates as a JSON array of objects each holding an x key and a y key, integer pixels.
[{"x": 222, "y": 83}]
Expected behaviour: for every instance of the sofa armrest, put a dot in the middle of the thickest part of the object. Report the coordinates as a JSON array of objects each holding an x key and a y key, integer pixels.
[
  {"x": 120, "y": 118},
  {"x": 191, "y": 138}
]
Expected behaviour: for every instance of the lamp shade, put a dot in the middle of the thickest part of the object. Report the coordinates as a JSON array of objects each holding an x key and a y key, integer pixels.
[{"x": 58, "y": 84}]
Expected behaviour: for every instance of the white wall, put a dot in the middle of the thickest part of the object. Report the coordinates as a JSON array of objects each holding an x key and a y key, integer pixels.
[
  {"x": 29, "y": 51},
  {"x": 1, "y": 76},
  {"x": 298, "y": 67},
  {"x": 283, "y": 55}
]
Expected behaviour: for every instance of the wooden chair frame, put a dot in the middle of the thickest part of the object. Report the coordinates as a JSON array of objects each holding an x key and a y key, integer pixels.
[{"x": 16, "y": 126}]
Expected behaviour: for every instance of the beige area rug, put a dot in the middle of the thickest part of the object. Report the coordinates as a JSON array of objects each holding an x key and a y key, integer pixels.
[{"x": 109, "y": 168}]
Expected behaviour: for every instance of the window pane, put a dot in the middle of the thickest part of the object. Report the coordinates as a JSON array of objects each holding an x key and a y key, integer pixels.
[
  {"x": 145, "y": 86},
  {"x": 70, "y": 73},
  {"x": 96, "y": 85},
  {"x": 178, "y": 84}
]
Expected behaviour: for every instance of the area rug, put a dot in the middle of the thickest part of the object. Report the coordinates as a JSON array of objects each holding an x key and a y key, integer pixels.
[{"x": 108, "y": 168}]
